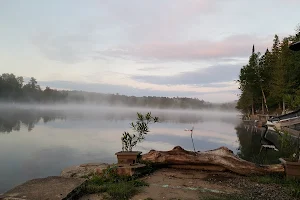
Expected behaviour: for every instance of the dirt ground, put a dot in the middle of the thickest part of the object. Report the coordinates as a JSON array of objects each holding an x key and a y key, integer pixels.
[{"x": 178, "y": 184}]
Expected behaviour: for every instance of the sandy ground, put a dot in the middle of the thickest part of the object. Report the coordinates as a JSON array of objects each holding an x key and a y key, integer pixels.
[{"x": 180, "y": 184}]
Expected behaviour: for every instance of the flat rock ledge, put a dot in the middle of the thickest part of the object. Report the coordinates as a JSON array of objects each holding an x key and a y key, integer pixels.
[
  {"x": 84, "y": 170},
  {"x": 50, "y": 188},
  {"x": 55, "y": 187}
]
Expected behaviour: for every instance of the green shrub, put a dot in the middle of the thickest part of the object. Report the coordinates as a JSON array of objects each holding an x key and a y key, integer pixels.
[{"x": 113, "y": 185}]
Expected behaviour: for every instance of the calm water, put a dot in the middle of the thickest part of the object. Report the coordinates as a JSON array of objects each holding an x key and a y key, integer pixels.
[{"x": 40, "y": 141}]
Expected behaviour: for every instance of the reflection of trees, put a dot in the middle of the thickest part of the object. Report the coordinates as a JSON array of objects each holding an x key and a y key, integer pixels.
[
  {"x": 9, "y": 125},
  {"x": 234, "y": 121},
  {"x": 250, "y": 146},
  {"x": 12, "y": 119}
]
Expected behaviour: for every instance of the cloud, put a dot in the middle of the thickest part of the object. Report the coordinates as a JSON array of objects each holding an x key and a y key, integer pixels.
[
  {"x": 118, "y": 23},
  {"x": 145, "y": 32},
  {"x": 67, "y": 48},
  {"x": 210, "y": 76},
  {"x": 233, "y": 46},
  {"x": 152, "y": 68},
  {"x": 159, "y": 20}
]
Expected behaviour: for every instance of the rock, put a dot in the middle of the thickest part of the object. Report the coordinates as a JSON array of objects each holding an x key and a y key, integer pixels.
[
  {"x": 50, "y": 188},
  {"x": 84, "y": 170}
]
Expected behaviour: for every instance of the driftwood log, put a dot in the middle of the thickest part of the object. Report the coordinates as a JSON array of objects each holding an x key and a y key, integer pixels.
[{"x": 221, "y": 159}]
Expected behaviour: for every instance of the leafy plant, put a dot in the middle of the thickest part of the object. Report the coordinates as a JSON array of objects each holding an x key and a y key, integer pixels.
[
  {"x": 289, "y": 147},
  {"x": 140, "y": 127},
  {"x": 296, "y": 156}
]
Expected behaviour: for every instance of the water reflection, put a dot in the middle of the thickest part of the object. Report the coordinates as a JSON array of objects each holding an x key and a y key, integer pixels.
[
  {"x": 44, "y": 140},
  {"x": 249, "y": 149},
  {"x": 12, "y": 117}
]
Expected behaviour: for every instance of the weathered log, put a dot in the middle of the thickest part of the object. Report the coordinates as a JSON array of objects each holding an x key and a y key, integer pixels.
[{"x": 221, "y": 158}]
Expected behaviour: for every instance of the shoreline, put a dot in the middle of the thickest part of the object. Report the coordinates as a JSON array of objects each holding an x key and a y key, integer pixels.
[
  {"x": 213, "y": 172},
  {"x": 164, "y": 182}
]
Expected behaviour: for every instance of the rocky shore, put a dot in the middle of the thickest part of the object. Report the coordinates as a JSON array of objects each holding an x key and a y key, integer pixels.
[
  {"x": 166, "y": 182},
  {"x": 188, "y": 175}
]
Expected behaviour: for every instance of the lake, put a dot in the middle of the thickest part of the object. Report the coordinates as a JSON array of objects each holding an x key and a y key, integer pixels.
[{"x": 41, "y": 140}]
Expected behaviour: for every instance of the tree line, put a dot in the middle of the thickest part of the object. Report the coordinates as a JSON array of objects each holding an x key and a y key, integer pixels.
[
  {"x": 13, "y": 89},
  {"x": 270, "y": 82}
]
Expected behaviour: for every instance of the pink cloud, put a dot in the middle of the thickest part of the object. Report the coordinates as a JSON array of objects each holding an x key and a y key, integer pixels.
[
  {"x": 233, "y": 46},
  {"x": 153, "y": 20}
]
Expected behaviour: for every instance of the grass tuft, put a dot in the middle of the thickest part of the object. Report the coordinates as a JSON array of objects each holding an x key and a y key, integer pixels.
[
  {"x": 113, "y": 185},
  {"x": 115, "y": 190}
]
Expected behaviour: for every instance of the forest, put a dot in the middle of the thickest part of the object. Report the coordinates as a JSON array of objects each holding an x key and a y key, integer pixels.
[
  {"x": 13, "y": 90},
  {"x": 270, "y": 82}
]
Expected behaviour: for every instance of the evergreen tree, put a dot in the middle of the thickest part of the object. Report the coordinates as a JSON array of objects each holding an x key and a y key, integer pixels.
[{"x": 271, "y": 81}]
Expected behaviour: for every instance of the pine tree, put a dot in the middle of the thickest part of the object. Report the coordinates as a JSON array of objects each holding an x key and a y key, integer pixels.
[{"x": 271, "y": 80}]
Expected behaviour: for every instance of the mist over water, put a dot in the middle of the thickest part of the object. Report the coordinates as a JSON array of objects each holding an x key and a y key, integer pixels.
[{"x": 40, "y": 140}]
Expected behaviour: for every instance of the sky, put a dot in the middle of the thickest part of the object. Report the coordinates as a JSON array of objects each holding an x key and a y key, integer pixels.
[{"x": 190, "y": 48}]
